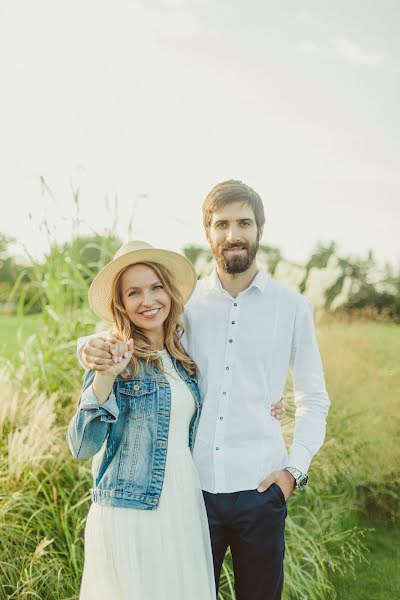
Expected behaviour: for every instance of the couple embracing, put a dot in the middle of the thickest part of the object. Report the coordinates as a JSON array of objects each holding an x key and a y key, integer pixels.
[{"x": 180, "y": 409}]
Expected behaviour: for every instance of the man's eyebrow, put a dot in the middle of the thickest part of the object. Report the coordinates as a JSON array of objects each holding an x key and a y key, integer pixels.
[{"x": 237, "y": 220}]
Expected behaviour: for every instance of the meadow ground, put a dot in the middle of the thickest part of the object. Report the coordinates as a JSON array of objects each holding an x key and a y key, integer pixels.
[
  {"x": 361, "y": 361},
  {"x": 44, "y": 499}
]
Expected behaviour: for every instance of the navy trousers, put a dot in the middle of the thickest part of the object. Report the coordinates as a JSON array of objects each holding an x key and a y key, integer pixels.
[{"x": 253, "y": 525}]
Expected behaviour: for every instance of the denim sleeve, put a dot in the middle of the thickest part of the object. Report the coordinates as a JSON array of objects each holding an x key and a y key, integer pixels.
[{"x": 89, "y": 427}]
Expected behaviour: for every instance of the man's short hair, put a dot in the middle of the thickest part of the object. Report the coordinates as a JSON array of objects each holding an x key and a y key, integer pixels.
[{"x": 232, "y": 191}]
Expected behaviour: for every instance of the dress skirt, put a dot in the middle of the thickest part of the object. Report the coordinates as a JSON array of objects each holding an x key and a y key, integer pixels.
[{"x": 162, "y": 554}]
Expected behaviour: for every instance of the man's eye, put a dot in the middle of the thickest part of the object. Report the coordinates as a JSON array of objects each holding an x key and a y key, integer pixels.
[{"x": 221, "y": 225}]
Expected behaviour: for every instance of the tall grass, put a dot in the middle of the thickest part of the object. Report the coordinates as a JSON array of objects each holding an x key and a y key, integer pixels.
[{"x": 45, "y": 493}]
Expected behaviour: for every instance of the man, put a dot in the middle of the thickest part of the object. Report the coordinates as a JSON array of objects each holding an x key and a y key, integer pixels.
[{"x": 245, "y": 331}]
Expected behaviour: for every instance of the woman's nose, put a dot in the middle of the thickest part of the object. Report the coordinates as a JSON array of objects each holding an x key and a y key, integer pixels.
[{"x": 147, "y": 299}]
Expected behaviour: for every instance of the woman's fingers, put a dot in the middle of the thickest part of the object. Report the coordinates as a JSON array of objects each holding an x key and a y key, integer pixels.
[
  {"x": 278, "y": 409},
  {"x": 120, "y": 351},
  {"x": 124, "y": 361}
]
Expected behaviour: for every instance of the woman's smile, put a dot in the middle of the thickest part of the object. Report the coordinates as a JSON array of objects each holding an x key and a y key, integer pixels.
[{"x": 150, "y": 314}]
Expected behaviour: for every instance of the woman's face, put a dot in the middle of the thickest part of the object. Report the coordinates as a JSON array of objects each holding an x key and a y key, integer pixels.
[{"x": 144, "y": 298}]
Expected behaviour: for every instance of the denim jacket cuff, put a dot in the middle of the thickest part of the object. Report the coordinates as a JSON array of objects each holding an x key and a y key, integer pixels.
[{"x": 108, "y": 412}]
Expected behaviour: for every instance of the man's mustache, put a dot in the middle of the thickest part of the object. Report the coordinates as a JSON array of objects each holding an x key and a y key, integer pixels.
[{"x": 226, "y": 247}]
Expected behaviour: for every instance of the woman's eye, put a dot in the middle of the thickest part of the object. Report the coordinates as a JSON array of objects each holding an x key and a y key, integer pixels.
[
  {"x": 133, "y": 293},
  {"x": 158, "y": 287}
]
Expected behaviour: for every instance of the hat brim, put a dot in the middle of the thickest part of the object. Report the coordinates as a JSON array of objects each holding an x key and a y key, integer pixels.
[{"x": 180, "y": 268}]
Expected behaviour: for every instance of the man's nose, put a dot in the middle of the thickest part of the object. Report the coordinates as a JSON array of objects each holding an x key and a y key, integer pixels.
[{"x": 232, "y": 235}]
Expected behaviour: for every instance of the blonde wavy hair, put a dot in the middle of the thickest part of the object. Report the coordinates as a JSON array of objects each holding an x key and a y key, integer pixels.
[{"x": 124, "y": 329}]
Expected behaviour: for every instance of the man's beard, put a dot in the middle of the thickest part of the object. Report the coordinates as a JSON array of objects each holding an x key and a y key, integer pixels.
[{"x": 235, "y": 264}]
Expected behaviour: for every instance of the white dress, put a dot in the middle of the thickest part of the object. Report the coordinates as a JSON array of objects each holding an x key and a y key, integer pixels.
[{"x": 162, "y": 554}]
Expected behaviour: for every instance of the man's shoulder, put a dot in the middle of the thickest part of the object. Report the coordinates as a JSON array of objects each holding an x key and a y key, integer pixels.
[
  {"x": 202, "y": 286},
  {"x": 290, "y": 297}
]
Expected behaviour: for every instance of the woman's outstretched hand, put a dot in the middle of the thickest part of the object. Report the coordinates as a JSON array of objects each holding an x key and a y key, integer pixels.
[
  {"x": 121, "y": 353},
  {"x": 104, "y": 378},
  {"x": 107, "y": 355}
]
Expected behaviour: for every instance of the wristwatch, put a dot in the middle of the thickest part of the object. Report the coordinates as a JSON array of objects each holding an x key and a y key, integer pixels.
[{"x": 300, "y": 478}]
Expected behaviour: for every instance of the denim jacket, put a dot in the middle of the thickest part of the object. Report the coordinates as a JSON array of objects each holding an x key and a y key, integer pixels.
[{"x": 127, "y": 436}]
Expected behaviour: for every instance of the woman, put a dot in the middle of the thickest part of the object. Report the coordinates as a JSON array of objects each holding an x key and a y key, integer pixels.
[{"x": 147, "y": 534}]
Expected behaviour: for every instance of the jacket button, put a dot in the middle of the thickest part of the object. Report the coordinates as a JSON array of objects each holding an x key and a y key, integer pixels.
[{"x": 136, "y": 387}]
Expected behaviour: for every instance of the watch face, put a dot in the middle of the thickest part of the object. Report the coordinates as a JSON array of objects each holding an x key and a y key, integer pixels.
[{"x": 302, "y": 482}]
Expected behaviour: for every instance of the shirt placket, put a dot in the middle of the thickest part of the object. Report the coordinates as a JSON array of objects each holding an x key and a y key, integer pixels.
[{"x": 225, "y": 395}]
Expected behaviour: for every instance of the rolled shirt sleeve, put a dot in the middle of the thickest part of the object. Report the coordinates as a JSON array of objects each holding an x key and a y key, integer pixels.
[
  {"x": 310, "y": 396},
  {"x": 89, "y": 426}
]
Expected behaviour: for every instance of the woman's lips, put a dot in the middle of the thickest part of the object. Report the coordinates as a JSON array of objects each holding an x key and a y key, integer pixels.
[{"x": 150, "y": 314}]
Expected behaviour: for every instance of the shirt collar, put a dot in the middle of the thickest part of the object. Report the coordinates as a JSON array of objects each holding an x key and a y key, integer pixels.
[{"x": 259, "y": 281}]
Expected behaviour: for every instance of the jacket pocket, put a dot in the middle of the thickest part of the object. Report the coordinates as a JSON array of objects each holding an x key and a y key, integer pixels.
[{"x": 138, "y": 397}]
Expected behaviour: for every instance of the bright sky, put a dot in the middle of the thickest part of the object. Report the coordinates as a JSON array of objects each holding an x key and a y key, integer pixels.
[{"x": 156, "y": 101}]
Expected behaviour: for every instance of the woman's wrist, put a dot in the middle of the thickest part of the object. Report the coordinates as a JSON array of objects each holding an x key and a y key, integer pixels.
[
  {"x": 105, "y": 376},
  {"x": 102, "y": 385}
]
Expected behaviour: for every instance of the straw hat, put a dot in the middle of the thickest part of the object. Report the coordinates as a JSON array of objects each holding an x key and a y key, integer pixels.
[{"x": 181, "y": 269}]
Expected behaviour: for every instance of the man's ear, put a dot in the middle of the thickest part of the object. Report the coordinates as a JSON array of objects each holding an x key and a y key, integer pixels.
[
  {"x": 207, "y": 234},
  {"x": 261, "y": 232}
]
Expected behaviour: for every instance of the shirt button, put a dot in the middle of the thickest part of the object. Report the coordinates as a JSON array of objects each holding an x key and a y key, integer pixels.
[
  {"x": 221, "y": 418},
  {"x": 224, "y": 393},
  {"x": 136, "y": 387},
  {"x": 233, "y": 322},
  {"x": 227, "y": 368},
  {"x": 235, "y": 304},
  {"x": 217, "y": 448},
  {"x": 230, "y": 341}
]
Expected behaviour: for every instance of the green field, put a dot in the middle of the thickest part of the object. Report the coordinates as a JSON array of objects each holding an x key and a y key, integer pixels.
[
  {"x": 362, "y": 368},
  {"x": 379, "y": 579},
  {"x": 354, "y": 480},
  {"x": 13, "y": 332}
]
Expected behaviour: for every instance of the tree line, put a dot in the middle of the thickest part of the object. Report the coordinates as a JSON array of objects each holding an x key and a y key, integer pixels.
[{"x": 331, "y": 281}]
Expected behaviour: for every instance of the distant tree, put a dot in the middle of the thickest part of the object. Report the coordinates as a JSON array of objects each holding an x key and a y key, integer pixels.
[
  {"x": 272, "y": 256},
  {"x": 193, "y": 252},
  {"x": 321, "y": 254}
]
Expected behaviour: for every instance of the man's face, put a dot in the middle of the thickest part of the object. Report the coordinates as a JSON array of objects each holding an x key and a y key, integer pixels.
[{"x": 234, "y": 237}]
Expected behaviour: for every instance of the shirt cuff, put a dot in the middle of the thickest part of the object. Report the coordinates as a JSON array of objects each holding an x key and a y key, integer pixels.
[
  {"x": 108, "y": 411},
  {"x": 299, "y": 458}
]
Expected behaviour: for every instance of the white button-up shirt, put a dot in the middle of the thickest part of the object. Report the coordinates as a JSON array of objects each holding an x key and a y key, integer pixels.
[{"x": 243, "y": 348}]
